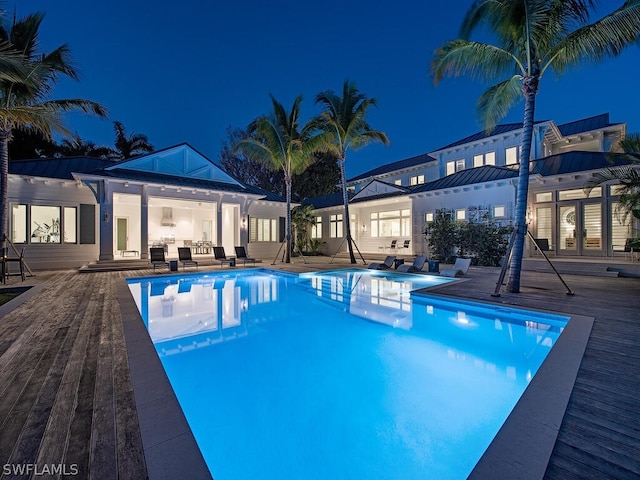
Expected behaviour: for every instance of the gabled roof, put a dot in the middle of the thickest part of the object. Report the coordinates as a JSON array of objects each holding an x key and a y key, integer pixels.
[
  {"x": 180, "y": 160},
  {"x": 392, "y": 167},
  {"x": 328, "y": 200},
  {"x": 62, "y": 167},
  {"x": 377, "y": 188},
  {"x": 585, "y": 125}
]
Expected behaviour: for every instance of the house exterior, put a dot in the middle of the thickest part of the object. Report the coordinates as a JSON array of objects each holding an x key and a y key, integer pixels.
[
  {"x": 68, "y": 212},
  {"x": 479, "y": 173}
]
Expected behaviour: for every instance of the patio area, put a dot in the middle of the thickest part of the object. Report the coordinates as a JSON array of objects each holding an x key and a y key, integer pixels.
[{"x": 68, "y": 398}]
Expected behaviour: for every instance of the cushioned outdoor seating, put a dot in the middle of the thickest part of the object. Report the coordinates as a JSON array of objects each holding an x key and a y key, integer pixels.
[
  {"x": 459, "y": 268},
  {"x": 184, "y": 256},
  {"x": 241, "y": 254},
  {"x": 416, "y": 266},
  {"x": 218, "y": 253},
  {"x": 388, "y": 263},
  {"x": 156, "y": 257}
]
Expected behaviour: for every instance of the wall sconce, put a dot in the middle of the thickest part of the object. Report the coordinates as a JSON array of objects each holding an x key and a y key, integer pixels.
[
  {"x": 528, "y": 217},
  {"x": 244, "y": 222},
  {"x": 364, "y": 227},
  {"x": 106, "y": 217}
]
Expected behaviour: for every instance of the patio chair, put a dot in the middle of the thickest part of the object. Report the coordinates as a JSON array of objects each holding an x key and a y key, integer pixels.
[
  {"x": 184, "y": 256},
  {"x": 156, "y": 257},
  {"x": 218, "y": 253},
  {"x": 241, "y": 254},
  {"x": 630, "y": 246},
  {"x": 388, "y": 263},
  {"x": 540, "y": 245},
  {"x": 459, "y": 268},
  {"x": 393, "y": 245},
  {"x": 406, "y": 244},
  {"x": 416, "y": 266}
]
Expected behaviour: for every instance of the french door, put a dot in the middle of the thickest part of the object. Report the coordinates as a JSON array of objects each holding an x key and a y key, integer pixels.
[{"x": 580, "y": 229}]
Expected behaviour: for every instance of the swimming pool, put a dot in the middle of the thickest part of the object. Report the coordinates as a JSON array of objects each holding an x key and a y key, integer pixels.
[{"x": 285, "y": 376}]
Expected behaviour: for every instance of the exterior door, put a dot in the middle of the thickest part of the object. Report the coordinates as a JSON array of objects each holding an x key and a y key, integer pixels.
[
  {"x": 122, "y": 234},
  {"x": 580, "y": 229}
]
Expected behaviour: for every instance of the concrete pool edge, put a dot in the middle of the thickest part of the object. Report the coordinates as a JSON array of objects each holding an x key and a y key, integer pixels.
[
  {"x": 170, "y": 448},
  {"x": 521, "y": 449}
]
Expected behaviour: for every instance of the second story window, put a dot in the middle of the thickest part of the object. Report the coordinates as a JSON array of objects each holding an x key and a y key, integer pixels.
[
  {"x": 417, "y": 180},
  {"x": 488, "y": 158},
  {"x": 511, "y": 156}
]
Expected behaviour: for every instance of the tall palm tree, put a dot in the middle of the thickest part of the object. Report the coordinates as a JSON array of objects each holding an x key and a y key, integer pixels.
[
  {"x": 532, "y": 36},
  {"x": 25, "y": 104},
  {"x": 344, "y": 125},
  {"x": 627, "y": 176},
  {"x": 279, "y": 142},
  {"x": 128, "y": 146}
]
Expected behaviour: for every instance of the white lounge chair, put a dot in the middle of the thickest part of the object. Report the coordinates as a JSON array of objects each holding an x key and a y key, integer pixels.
[{"x": 459, "y": 268}]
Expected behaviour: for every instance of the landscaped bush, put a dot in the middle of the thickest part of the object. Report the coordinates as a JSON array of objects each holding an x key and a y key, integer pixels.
[{"x": 480, "y": 238}]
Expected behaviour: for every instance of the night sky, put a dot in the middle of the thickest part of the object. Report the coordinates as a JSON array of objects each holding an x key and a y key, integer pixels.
[{"x": 183, "y": 71}]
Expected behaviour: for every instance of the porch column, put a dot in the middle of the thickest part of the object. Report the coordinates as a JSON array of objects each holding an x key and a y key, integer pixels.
[
  {"x": 144, "y": 223},
  {"x": 219, "y": 222},
  {"x": 106, "y": 221}
]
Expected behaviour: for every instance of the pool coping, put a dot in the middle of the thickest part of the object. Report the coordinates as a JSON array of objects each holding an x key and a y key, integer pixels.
[{"x": 520, "y": 451}]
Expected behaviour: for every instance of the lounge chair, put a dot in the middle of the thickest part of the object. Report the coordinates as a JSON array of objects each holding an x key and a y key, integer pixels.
[
  {"x": 184, "y": 256},
  {"x": 416, "y": 266},
  {"x": 388, "y": 263},
  {"x": 218, "y": 253},
  {"x": 241, "y": 254},
  {"x": 156, "y": 256},
  {"x": 459, "y": 268}
]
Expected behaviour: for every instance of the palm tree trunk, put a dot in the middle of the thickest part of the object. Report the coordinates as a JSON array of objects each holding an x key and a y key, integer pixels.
[
  {"x": 345, "y": 199},
  {"x": 530, "y": 89},
  {"x": 287, "y": 181},
  {"x": 4, "y": 185}
]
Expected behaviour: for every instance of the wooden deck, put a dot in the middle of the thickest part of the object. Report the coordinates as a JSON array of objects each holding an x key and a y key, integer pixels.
[{"x": 66, "y": 396}]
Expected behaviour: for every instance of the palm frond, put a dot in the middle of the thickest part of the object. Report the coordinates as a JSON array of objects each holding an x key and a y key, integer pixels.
[
  {"x": 496, "y": 101},
  {"x": 605, "y": 38},
  {"x": 479, "y": 60}
]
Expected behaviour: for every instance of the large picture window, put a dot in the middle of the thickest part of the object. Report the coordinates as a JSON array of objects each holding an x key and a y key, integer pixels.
[
  {"x": 45, "y": 224},
  {"x": 263, "y": 230},
  {"x": 393, "y": 223}
]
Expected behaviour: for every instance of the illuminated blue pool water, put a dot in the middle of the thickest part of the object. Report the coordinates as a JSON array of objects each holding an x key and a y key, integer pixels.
[{"x": 341, "y": 375}]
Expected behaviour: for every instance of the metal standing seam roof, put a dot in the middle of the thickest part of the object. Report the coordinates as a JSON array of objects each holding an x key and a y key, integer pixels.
[
  {"x": 57, "y": 167},
  {"x": 498, "y": 130},
  {"x": 585, "y": 125},
  {"x": 391, "y": 167}
]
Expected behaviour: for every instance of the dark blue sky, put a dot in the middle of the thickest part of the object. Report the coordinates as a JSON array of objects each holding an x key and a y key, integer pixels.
[{"x": 184, "y": 71}]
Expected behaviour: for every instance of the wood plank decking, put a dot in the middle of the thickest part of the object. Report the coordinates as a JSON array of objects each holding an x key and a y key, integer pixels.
[{"x": 66, "y": 396}]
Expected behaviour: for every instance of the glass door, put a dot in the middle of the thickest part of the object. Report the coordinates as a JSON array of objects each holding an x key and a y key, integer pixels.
[
  {"x": 567, "y": 229},
  {"x": 592, "y": 241}
]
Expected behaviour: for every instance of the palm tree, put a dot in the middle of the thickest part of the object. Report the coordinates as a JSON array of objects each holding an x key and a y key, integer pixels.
[
  {"x": 627, "y": 176},
  {"x": 279, "y": 142},
  {"x": 344, "y": 126},
  {"x": 128, "y": 146},
  {"x": 533, "y": 36},
  {"x": 25, "y": 104}
]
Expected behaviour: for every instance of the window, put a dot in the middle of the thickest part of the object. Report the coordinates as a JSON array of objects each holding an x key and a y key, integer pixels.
[
  {"x": 417, "y": 180},
  {"x": 335, "y": 226},
  {"x": 263, "y": 230},
  {"x": 393, "y": 223},
  {"x": 397, "y": 182},
  {"x": 579, "y": 193},
  {"x": 45, "y": 224},
  {"x": 461, "y": 214},
  {"x": 498, "y": 211},
  {"x": 451, "y": 168},
  {"x": 70, "y": 224},
  {"x": 18, "y": 223},
  {"x": 428, "y": 217},
  {"x": 87, "y": 224},
  {"x": 511, "y": 156},
  {"x": 460, "y": 165},
  {"x": 616, "y": 189},
  {"x": 544, "y": 197},
  {"x": 316, "y": 230},
  {"x": 488, "y": 158}
]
